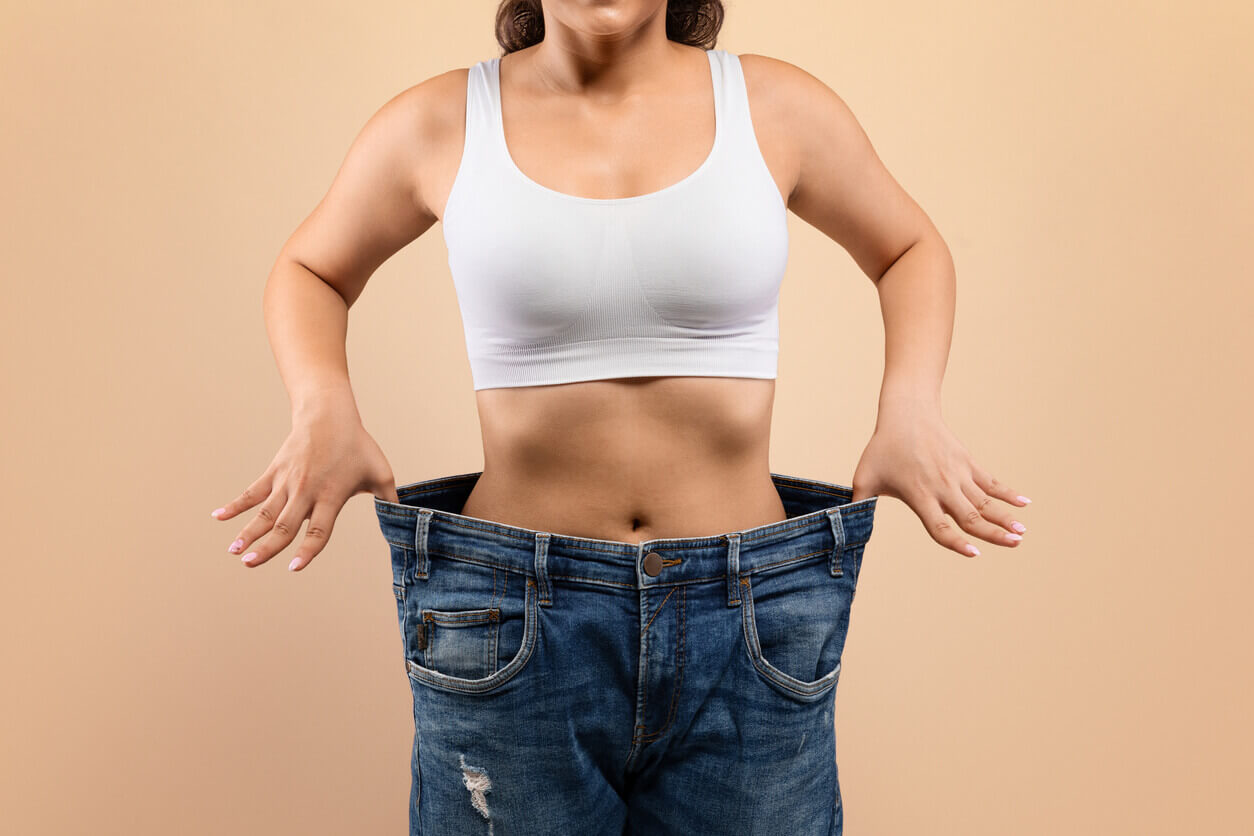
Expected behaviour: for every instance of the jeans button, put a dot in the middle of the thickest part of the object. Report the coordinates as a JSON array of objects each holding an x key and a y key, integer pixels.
[{"x": 653, "y": 564}]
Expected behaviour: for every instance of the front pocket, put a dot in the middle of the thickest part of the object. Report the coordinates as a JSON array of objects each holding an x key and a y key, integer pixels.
[
  {"x": 461, "y": 643},
  {"x": 466, "y": 654},
  {"x": 795, "y": 621}
]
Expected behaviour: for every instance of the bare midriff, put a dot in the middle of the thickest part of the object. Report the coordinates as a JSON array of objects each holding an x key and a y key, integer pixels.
[{"x": 628, "y": 459}]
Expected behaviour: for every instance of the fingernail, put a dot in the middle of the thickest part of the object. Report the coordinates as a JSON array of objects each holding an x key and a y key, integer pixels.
[
  {"x": 1024, "y": 499},
  {"x": 248, "y": 556},
  {"x": 1014, "y": 538},
  {"x": 236, "y": 546},
  {"x": 295, "y": 562},
  {"x": 217, "y": 511},
  {"x": 972, "y": 550}
]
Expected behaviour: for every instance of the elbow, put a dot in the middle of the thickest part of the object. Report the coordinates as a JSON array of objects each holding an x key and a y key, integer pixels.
[
  {"x": 929, "y": 242},
  {"x": 890, "y": 262}
]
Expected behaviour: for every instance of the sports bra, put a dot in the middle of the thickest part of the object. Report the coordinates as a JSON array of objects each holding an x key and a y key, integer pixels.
[{"x": 558, "y": 288}]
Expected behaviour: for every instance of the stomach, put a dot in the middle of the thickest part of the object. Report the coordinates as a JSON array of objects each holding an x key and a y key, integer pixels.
[{"x": 628, "y": 459}]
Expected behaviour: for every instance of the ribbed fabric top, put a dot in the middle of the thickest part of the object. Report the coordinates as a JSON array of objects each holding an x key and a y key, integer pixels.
[{"x": 558, "y": 288}]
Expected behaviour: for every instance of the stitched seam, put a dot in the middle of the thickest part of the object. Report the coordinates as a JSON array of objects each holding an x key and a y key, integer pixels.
[
  {"x": 679, "y": 652},
  {"x": 644, "y": 706},
  {"x": 787, "y": 560},
  {"x": 482, "y": 616},
  {"x": 524, "y": 537},
  {"x": 659, "y": 609},
  {"x": 602, "y": 581},
  {"x": 494, "y": 661}
]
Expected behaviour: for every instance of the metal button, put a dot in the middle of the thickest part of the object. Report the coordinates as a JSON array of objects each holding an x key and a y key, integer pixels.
[{"x": 653, "y": 564}]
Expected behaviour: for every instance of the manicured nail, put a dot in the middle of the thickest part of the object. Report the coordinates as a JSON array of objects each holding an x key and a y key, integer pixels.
[
  {"x": 215, "y": 513},
  {"x": 1018, "y": 526},
  {"x": 248, "y": 556},
  {"x": 295, "y": 562},
  {"x": 972, "y": 550},
  {"x": 1023, "y": 499},
  {"x": 236, "y": 546},
  {"x": 1014, "y": 538}
]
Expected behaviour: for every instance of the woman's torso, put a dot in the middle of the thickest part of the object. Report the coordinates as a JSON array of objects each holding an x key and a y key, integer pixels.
[{"x": 634, "y": 458}]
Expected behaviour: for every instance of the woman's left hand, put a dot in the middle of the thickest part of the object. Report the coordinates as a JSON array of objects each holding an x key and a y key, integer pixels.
[{"x": 914, "y": 457}]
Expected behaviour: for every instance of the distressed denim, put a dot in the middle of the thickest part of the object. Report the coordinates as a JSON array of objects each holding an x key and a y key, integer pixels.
[{"x": 570, "y": 686}]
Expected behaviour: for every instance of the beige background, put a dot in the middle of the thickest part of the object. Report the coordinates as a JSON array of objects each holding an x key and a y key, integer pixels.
[{"x": 1089, "y": 165}]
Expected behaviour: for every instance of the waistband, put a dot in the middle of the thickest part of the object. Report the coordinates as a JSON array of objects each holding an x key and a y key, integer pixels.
[{"x": 822, "y": 521}]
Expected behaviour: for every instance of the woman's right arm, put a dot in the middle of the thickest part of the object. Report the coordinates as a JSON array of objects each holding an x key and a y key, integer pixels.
[{"x": 373, "y": 208}]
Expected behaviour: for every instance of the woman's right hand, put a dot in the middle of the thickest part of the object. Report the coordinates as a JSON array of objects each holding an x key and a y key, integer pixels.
[{"x": 327, "y": 459}]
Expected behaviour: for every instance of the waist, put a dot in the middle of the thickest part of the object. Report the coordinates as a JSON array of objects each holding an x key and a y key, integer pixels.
[
  {"x": 628, "y": 459},
  {"x": 694, "y": 506},
  {"x": 821, "y": 521}
]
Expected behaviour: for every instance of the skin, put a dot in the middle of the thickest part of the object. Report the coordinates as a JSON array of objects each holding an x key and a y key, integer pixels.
[{"x": 629, "y": 458}]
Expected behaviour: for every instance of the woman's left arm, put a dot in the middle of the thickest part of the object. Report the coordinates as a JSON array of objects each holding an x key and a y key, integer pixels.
[{"x": 843, "y": 189}]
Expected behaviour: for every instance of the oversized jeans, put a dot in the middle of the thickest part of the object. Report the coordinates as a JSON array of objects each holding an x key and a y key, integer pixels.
[{"x": 570, "y": 686}]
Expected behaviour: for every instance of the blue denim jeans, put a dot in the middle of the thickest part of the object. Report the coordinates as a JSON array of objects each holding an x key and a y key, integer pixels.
[{"x": 570, "y": 686}]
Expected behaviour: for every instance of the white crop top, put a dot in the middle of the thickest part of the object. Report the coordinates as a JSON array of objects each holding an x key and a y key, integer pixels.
[{"x": 558, "y": 288}]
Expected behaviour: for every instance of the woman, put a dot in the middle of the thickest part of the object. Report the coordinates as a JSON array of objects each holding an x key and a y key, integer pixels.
[{"x": 625, "y": 622}]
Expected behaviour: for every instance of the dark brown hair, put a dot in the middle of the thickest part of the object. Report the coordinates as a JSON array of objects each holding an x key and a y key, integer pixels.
[{"x": 520, "y": 23}]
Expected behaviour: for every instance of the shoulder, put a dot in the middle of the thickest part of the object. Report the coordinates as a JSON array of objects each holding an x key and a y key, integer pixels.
[
  {"x": 418, "y": 119},
  {"x": 803, "y": 119},
  {"x": 772, "y": 71},
  {"x": 412, "y": 133},
  {"x": 818, "y": 127},
  {"x": 429, "y": 110},
  {"x": 842, "y": 186},
  {"x": 795, "y": 95}
]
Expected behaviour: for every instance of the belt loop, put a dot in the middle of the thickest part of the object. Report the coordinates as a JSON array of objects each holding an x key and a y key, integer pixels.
[
  {"x": 421, "y": 528},
  {"x": 838, "y": 544},
  {"x": 733, "y": 569},
  {"x": 542, "y": 571}
]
